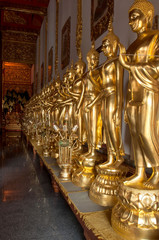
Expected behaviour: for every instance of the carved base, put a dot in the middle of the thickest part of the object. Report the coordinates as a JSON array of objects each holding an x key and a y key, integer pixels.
[
  {"x": 83, "y": 176},
  {"x": 136, "y": 214},
  {"x": 104, "y": 189},
  {"x": 65, "y": 173}
]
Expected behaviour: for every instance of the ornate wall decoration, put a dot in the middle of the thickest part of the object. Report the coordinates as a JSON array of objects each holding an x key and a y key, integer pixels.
[
  {"x": 50, "y": 64},
  {"x": 79, "y": 28},
  {"x": 14, "y": 17},
  {"x": 18, "y": 52},
  {"x": 101, "y": 11},
  {"x": 16, "y": 76},
  {"x": 17, "y": 73},
  {"x": 65, "y": 44},
  {"x": 42, "y": 75},
  {"x": 19, "y": 36}
]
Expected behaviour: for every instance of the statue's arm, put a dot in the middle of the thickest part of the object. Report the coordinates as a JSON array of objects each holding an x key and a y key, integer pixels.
[
  {"x": 99, "y": 96},
  {"x": 73, "y": 94},
  {"x": 119, "y": 92},
  {"x": 81, "y": 97},
  {"x": 122, "y": 57}
]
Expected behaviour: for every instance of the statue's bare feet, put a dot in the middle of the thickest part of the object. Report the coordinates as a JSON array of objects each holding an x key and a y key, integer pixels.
[
  {"x": 136, "y": 181},
  {"x": 84, "y": 155},
  {"x": 153, "y": 181},
  {"x": 108, "y": 163},
  {"x": 117, "y": 163},
  {"x": 90, "y": 159}
]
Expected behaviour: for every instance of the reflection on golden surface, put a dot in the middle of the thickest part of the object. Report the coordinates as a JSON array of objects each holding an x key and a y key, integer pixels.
[
  {"x": 136, "y": 212},
  {"x": 104, "y": 189}
]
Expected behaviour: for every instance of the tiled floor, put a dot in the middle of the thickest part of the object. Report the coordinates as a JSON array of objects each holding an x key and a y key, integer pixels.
[{"x": 29, "y": 209}]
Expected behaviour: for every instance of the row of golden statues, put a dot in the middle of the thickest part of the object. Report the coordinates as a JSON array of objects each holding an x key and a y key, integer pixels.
[{"x": 94, "y": 102}]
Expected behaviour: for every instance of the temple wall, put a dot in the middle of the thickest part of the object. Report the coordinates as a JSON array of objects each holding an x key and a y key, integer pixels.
[{"x": 68, "y": 8}]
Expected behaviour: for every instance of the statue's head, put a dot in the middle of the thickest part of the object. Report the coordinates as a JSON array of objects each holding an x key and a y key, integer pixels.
[
  {"x": 92, "y": 58},
  {"x": 80, "y": 67},
  {"x": 110, "y": 42},
  {"x": 71, "y": 74},
  {"x": 141, "y": 15}
]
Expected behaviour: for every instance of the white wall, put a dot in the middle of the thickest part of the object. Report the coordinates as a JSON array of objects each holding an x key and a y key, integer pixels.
[{"x": 68, "y": 8}]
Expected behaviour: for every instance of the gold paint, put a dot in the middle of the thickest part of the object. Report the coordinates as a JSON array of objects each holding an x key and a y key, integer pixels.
[
  {"x": 141, "y": 111},
  {"x": 90, "y": 116},
  {"x": 136, "y": 214},
  {"x": 111, "y": 99}
]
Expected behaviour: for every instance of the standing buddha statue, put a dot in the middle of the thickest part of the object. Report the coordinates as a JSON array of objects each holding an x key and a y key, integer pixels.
[
  {"x": 85, "y": 174},
  {"x": 136, "y": 213},
  {"x": 104, "y": 189}
]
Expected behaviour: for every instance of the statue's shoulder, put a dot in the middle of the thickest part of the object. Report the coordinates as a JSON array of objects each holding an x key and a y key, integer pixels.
[{"x": 110, "y": 62}]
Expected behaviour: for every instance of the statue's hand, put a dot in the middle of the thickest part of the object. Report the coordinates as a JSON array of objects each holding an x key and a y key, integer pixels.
[
  {"x": 86, "y": 109},
  {"x": 122, "y": 57},
  {"x": 116, "y": 118},
  {"x": 122, "y": 48}
]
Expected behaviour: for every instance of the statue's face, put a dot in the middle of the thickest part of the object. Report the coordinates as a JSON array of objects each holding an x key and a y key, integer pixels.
[
  {"x": 107, "y": 48},
  {"x": 137, "y": 21},
  {"x": 93, "y": 61},
  {"x": 79, "y": 69}
]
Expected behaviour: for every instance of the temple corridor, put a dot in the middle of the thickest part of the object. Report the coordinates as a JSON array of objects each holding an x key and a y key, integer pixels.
[{"x": 29, "y": 207}]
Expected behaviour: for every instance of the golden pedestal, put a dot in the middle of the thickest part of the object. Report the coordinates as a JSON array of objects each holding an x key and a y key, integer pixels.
[
  {"x": 83, "y": 176},
  {"x": 104, "y": 189},
  {"x": 85, "y": 173},
  {"x": 136, "y": 214}
]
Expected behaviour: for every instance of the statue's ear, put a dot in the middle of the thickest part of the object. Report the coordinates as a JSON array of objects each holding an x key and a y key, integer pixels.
[{"x": 150, "y": 17}]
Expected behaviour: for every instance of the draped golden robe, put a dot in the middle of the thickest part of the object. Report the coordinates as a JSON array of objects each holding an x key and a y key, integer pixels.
[{"x": 142, "y": 104}]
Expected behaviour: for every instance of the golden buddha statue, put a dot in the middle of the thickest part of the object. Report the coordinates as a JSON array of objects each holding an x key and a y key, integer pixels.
[
  {"x": 141, "y": 111},
  {"x": 85, "y": 174},
  {"x": 77, "y": 92},
  {"x": 93, "y": 83},
  {"x": 104, "y": 188},
  {"x": 68, "y": 103},
  {"x": 136, "y": 214}
]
